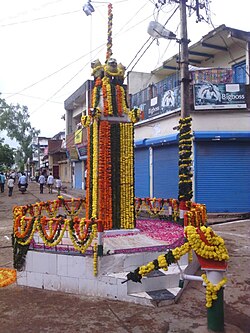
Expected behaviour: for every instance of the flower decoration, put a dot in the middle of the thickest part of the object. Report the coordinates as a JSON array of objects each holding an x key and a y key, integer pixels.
[
  {"x": 185, "y": 161},
  {"x": 7, "y": 276},
  {"x": 85, "y": 121},
  {"x": 135, "y": 115},
  {"x": 206, "y": 243},
  {"x": 212, "y": 290}
]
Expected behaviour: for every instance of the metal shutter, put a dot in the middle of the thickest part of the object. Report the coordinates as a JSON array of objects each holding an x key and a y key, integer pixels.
[
  {"x": 142, "y": 173},
  {"x": 222, "y": 179},
  {"x": 165, "y": 171}
]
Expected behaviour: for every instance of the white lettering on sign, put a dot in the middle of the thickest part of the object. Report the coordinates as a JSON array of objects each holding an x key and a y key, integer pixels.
[{"x": 230, "y": 97}]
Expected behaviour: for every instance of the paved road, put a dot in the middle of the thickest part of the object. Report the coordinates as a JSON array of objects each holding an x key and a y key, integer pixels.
[{"x": 30, "y": 310}]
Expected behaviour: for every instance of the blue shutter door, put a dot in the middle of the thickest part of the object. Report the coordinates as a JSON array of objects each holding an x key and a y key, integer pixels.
[
  {"x": 142, "y": 173},
  {"x": 222, "y": 179},
  {"x": 165, "y": 172},
  {"x": 78, "y": 175}
]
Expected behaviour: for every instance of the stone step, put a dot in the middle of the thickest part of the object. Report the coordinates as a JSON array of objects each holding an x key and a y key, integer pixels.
[
  {"x": 157, "y": 280},
  {"x": 160, "y": 297}
]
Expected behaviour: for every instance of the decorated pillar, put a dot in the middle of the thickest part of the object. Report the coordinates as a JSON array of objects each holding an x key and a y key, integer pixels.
[{"x": 110, "y": 176}]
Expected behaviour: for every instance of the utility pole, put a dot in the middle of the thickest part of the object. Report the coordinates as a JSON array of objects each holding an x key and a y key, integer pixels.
[{"x": 185, "y": 107}]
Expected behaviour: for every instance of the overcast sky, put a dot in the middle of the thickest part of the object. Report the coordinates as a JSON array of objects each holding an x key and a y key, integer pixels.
[{"x": 47, "y": 46}]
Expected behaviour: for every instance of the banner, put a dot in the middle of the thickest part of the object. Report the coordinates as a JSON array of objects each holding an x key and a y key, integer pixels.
[
  {"x": 82, "y": 152},
  {"x": 78, "y": 136},
  {"x": 73, "y": 153},
  {"x": 168, "y": 102},
  {"x": 219, "y": 96}
]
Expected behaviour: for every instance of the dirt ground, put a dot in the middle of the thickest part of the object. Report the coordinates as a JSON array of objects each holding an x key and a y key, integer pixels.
[{"x": 30, "y": 310}]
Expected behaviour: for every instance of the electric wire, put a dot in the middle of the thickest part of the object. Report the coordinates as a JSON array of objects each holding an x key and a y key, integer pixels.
[
  {"x": 150, "y": 42},
  {"x": 39, "y": 18}
]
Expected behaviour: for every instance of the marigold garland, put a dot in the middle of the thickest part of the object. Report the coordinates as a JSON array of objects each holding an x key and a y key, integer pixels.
[
  {"x": 216, "y": 250},
  {"x": 212, "y": 290},
  {"x": 206, "y": 243},
  {"x": 95, "y": 259},
  {"x": 95, "y": 170},
  {"x": 7, "y": 276},
  {"x": 126, "y": 176},
  {"x": 185, "y": 162}
]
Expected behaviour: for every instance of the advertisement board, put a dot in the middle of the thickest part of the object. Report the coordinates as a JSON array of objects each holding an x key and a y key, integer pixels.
[
  {"x": 219, "y": 96},
  {"x": 166, "y": 103}
]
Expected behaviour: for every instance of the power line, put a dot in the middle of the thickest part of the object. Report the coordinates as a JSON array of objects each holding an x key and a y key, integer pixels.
[
  {"x": 25, "y": 95},
  {"x": 57, "y": 71},
  {"x": 39, "y": 107},
  {"x": 39, "y": 18},
  {"x": 150, "y": 43}
]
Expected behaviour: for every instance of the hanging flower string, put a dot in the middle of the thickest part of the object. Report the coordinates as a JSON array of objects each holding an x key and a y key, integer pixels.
[
  {"x": 185, "y": 161},
  {"x": 204, "y": 242},
  {"x": 51, "y": 231},
  {"x": 95, "y": 170},
  {"x": 127, "y": 211},
  {"x": 110, "y": 23}
]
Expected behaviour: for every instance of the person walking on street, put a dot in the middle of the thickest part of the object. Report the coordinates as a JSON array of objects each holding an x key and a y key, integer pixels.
[
  {"x": 2, "y": 181},
  {"x": 58, "y": 185},
  {"x": 50, "y": 182},
  {"x": 10, "y": 185},
  {"x": 23, "y": 181},
  {"x": 41, "y": 181}
]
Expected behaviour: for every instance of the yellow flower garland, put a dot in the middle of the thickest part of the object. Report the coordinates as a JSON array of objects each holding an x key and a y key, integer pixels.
[
  {"x": 212, "y": 290},
  {"x": 83, "y": 248},
  {"x": 7, "y": 276},
  {"x": 95, "y": 259},
  {"x": 126, "y": 176},
  {"x": 215, "y": 249}
]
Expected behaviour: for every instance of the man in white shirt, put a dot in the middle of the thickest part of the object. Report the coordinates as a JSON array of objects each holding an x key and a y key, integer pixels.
[
  {"x": 41, "y": 181},
  {"x": 50, "y": 182},
  {"x": 58, "y": 185},
  {"x": 10, "y": 185}
]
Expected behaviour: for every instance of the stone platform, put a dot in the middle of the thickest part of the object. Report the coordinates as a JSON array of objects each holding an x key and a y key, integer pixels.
[{"x": 64, "y": 269}]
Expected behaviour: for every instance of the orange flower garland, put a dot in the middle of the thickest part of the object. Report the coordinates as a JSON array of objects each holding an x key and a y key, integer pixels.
[
  {"x": 7, "y": 276},
  {"x": 119, "y": 100},
  {"x": 105, "y": 188}
]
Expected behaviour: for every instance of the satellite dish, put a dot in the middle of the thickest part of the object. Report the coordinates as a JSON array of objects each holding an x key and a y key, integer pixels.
[{"x": 157, "y": 30}]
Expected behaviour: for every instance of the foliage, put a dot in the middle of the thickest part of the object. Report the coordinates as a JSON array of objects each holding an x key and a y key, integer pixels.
[
  {"x": 15, "y": 120},
  {"x": 6, "y": 156}
]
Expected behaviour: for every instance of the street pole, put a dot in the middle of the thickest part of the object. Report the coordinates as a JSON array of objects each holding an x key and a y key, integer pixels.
[
  {"x": 185, "y": 137},
  {"x": 185, "y": 107}
]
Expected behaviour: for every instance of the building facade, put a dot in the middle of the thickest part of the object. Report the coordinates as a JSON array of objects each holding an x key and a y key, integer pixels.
[
  {"x": 76, "y": 136},
  {"x": 219, "y": 107}
]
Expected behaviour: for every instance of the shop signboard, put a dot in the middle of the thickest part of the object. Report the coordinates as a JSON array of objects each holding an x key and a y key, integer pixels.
[{"x": 219, "y": 96}]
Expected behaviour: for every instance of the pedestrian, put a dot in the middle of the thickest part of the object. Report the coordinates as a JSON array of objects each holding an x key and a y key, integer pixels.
[
  {"x": 41, "y": 181},
  {"x": 23, "y": 180},
  {"x": 10, "y": 185},
  {"x": 85, "y": 178},
  {"x": 50, "y": 182},
  {"x": 58, "y": 185},
  {"x": 2, "y": 181}
]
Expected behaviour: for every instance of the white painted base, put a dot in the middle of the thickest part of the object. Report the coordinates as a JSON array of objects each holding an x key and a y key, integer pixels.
[{"x": 74, "y": 274}]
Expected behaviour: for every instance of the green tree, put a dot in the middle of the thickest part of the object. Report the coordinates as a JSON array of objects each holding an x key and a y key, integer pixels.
[
  {"x": 6, "y": 156},
  {"x": 15, "y": 120}
]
